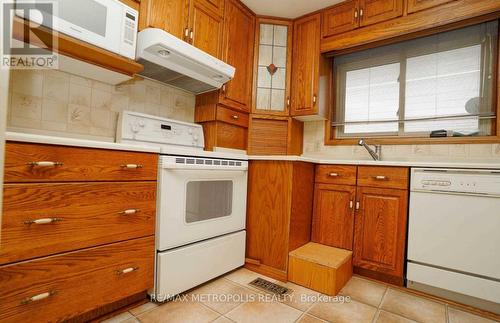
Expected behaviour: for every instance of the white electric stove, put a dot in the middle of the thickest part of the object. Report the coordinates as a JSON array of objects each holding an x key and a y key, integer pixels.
[{"x": 201, "y": 203}]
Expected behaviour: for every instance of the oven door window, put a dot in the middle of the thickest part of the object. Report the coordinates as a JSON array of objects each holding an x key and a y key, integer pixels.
[{"x": 206, "y": 200}]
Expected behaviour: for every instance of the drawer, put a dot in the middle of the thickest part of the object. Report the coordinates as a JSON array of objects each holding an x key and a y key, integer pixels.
[
  {"x": 63, "y": 286},
  {"x": 378, "y": 176},
  {"x": 232, "y": 117},
  {"x": 82, "y": 215},
  {"x": 336, "y": 174},
  {"x": 75, "y": 164}
]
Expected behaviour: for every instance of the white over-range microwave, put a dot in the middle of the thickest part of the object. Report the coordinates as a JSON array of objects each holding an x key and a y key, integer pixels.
[{"x": 109, "y": 24}]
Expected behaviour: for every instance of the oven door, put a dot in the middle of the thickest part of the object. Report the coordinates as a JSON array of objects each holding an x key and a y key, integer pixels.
[{"x": 198, "y": 202}]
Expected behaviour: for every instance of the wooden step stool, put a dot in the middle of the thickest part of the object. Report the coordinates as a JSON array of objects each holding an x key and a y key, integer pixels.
[{"x": 321, "y": 268}]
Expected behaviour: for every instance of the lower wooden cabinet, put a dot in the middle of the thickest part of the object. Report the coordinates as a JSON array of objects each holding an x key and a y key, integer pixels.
[
  {"x": 369, "y": 218},
  {"x": 280, "y": 200},
  {"x": 57, "y": 288},
  {"x": 333, "y": 222},
  {"x": 380, "y": 233}
]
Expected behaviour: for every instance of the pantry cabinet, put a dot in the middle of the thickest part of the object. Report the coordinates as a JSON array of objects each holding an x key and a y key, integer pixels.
[
  {"x": 364, "y": 209},
  {"x": 280, "y": 198},
  {"x": 198, "y": 22}
]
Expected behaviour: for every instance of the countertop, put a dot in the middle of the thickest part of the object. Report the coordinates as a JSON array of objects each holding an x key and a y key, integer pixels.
[{"x": 316, "y": 158}]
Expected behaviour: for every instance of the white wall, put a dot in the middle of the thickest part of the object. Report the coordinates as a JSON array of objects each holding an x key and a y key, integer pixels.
[{"x": 314, "y": 133}]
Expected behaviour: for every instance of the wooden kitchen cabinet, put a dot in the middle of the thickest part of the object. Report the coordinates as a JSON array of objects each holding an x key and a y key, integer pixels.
[
  {"x": 374, "y": 11},
  {"x": 340, "y": 18},
  {"x": 280, "y": 201},
  {"x": 418, "y": 5},
  {"x": 308, "y": 68},
  {"x": 198, "y": 22},
  {"x": 274, "y": 135},
  {"x": 169, "y": 15},
  {"x": 206, "y": 27},
  {"x": 380, "y": 233},
  {"x": 333, "y": 220}
]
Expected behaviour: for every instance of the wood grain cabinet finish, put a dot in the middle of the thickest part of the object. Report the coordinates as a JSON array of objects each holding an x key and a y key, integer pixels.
[
  {"x": 340, "y": 18},
  {"x": 238, "y": 51},
  {"x": 375, "y": 11},
  {"x": 306, "y": 65},
  {"x": 45, "y": 219},
  {"x": 380, "y": 233},
  {"x": 273, "y": 135},
  {"x": 61, "y": 287},
  {"x": 384, "y": 177},
  {"x": 336, "y": 174},
  {"x": 25, "y": 162},
  {"x": 333, "y": 219},
  {"x": 280, "y": 201},
  {"x": 169, "y": 15},
  {"x": 206, "y": 27},
  {"x": 418, "y": 5},
  {"x": 233, "y": 117}
]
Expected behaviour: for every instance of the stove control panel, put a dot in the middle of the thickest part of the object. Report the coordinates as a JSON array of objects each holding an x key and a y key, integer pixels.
[{"x": 136, "y": 127}]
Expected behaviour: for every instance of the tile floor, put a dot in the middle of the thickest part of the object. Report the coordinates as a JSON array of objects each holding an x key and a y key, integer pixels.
[{"x": 231, "y": 299}]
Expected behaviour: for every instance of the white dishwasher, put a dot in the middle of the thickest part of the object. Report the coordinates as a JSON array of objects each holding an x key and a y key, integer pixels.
[{"x": 454, "y": 235}]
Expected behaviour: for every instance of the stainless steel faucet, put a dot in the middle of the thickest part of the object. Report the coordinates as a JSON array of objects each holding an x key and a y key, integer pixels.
[{"x": 376, "y": 154}]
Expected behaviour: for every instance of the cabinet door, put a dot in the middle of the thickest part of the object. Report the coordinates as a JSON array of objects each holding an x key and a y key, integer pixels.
[
  {"x": 206, "y": 28},
  {"x": 239, "y": 30},
  {"x": 374, "y": 11},
  {"x": 380, "y": 230},
  {"x": 305, "y": 69},
  {"x": 169, "y": 15},
  {"x": 340, "y": 18},
  {"x": 418, "y": 5},
  {"x": 268, "y": 214},
  {"x": 333, "y": 218}
]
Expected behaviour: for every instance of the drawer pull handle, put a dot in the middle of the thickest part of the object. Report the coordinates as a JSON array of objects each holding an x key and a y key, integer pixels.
[
  {"x": 45, "y": 164},
  {"x": 126, "y": 270},
  {"x": 43, "y": 221},
  {"x": 380, "y": 178},
  {"x": 38, "y": 297},
  {"x": 235, "y": 117},
  {"x": 131, "y": 166},
  {"x": 334, "y": 175},
  {"x": 130, "y": 211}
]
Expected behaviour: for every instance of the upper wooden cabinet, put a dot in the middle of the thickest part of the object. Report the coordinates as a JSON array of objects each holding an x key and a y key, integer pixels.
[
  {"x": 206, "y": 27},
  {"x": 198, "y": 22},
  {"x": 169, "y": 15},
  {"x": 340, "y": 18},
  {"x": 352, "y": 14},
  {"x": 417, "y": 5},
  {"x": 307, "y": 68},
  {"x": 374, "y": 11},
  {"x": 238, "y": 51}
]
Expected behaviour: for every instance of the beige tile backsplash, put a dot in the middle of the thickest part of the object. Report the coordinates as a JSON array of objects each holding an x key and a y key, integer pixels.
[
  {"x": 56, "y": 103},
  {"x": 314, "y": 145}
]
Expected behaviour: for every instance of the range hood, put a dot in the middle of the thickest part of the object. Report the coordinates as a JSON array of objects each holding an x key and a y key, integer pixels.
[{"x": 172, "y": 61}]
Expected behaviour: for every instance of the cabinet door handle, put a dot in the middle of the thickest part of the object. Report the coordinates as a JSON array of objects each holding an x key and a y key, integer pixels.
[
  {"x": 358, "y": 205},
  {"x": 361, "y": 12},
  {"x": 351, "y": 204},
  {"x": 380, "y": 178},
  {"x": 315, "y": 99},
  {"x": 126, "y": 270},
  {"x": 224, "y": 88},
  {"x": 45, "y": 163},
  {"x": 191, "y": 35},
  {"x": 356, "y": 14},
  {"x": 131, "y": 166},
  {"x": 129, "y": 211},
  {"x": 288, "y": 101},
  {"x": 43, "y": 221},
  {"x": 186, "y": 32},
  {"x": 38, "y": 297}
]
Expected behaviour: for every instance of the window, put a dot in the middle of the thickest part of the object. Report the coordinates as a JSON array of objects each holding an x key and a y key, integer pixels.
[{"x": 440, "y": 82}]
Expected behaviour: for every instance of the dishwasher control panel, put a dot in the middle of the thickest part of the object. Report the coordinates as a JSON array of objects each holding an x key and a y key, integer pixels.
[{"x": 456, "y": 180}]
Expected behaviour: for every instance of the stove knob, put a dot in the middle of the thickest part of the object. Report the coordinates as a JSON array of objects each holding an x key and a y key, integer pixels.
[
  {"x": 142, "y": 124},
  {"x": 134, "y": 128},
  {"x": 190, "y": 131},
  {"x": 195, "y": 137}
]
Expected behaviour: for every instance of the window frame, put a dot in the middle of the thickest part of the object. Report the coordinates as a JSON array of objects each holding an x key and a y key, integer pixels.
[{"x": 331, "y": 137}]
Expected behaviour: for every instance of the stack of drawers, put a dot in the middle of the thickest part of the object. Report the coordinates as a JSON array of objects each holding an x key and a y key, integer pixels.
[{"x": 77, "y": 232}]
